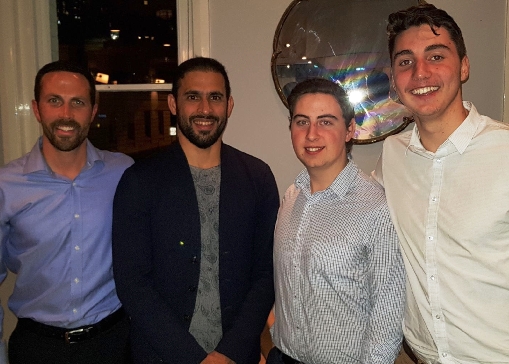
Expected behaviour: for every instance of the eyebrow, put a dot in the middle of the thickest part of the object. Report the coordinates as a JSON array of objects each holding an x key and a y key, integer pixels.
[
  {"x": 196, "y": 92},
  {"x": 318, "y": 117},
  {"x": 429, "y": 48}
]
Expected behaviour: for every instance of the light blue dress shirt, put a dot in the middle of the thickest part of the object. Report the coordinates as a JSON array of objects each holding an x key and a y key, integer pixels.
[{"x": 55, "y": 234}]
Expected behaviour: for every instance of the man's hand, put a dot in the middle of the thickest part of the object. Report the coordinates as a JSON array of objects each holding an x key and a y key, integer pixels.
[{"x": 217, "y": 358}]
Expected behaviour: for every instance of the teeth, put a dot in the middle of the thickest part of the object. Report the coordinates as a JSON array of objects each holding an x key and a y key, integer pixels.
[
  {"x": 313, "y": 149},
  {"x": 203, "y": 122},
  {"x": 424, "y": 90},
  {"x": 66, "y": 128}
]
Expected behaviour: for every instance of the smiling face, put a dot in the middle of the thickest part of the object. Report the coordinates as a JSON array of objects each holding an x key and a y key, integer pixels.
[
  {"x": 319, "y": 135},
  {"x": 202, "y": 108},
  {"x": 428, "y": 73},
  {"x": 64, "y": 110}
]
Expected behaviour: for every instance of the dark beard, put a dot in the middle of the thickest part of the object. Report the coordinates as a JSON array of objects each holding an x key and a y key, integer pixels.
[
  {"x": 65, "y": 144},
  {"x": 202, "y": 140}
]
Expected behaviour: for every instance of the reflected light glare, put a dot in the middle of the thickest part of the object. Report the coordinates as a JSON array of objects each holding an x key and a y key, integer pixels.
[
  {"x": 287, "y": 45},
  {"x": 173, "y": 131},
  {"x": 356, "y": 96},
  {"x": 158, "y": 80},
  {"x": 166, "y": 45},
  {"x": 304, "y": 57}
]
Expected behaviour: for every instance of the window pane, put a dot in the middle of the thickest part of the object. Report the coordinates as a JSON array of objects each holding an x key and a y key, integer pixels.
[
  {"x": 124, "y": 42},
  {"x": 134, "y": 123}
]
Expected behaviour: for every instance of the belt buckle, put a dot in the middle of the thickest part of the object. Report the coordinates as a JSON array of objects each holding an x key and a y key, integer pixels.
[{"x": 73, "y": 336}]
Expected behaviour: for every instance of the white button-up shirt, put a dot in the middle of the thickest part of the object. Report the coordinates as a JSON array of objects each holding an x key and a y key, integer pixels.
[{"x": 451, "y": 212}]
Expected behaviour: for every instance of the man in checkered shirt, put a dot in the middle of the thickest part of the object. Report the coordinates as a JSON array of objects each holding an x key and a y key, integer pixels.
[{"x": 339, "y": 275}]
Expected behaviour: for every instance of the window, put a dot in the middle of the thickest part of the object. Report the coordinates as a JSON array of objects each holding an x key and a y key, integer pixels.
[{"x": 131, "y": 48}]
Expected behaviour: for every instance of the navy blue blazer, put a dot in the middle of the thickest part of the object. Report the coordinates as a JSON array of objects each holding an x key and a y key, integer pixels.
[{"x": 156, "y": 254}]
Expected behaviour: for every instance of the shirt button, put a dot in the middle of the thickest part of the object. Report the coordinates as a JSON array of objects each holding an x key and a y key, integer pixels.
[
  {"x": 77, "y": 247},
  {"x": 76, "y": 280},
  {"x": 432, "y": 278},
  {"x": 74, "y": 310},
  {"x": 76, "y": 216},
  {"x": 74, "y": 184},
  {"x": 430, "y": 238},
  {"x": 437, "y": 317},
  {"x": 444, "y": 354},
  {"x": 439, "y": 160},
  {"x": 434, "y": 199}
]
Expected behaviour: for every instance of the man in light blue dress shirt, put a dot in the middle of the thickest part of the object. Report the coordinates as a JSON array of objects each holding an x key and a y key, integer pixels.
[{"x": 55, "y": 232}]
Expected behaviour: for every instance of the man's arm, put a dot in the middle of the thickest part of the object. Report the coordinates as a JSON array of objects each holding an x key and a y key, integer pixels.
[
  {"x": 384, "y": 331},
  {"x": 252, "y": 317},
  {"x": 132, "y": 266}
]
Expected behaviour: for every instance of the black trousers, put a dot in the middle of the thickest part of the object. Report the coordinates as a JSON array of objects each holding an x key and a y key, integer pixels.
[
  {"x": 277, "y": 357},
  {"x": 108, "y": 347}
]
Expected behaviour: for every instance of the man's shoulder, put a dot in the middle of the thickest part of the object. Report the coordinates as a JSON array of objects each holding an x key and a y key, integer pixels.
[
  {"x": 368, "y": 192},
  {"x": 14, "y": 168},
  {"x": 402, "y": 138},
  {"x": 249, "y": 159},
  {"x": 116, "y": 158},
  {"x": 494, "y": 128},
  {"x": 168, "y": 158}
]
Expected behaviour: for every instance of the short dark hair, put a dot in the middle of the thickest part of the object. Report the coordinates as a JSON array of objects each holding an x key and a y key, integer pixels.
[
  {"x": 64, "y": 66},
  {"x": 327, "y": 87},
  {"x": 424, "y": 14},
  {"x": 203, "y": 64}
]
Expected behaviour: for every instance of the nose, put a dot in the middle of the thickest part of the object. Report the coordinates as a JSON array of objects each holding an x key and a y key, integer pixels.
[
  {"x": 205, "y": 106},
  {"x": 312, "y": 132},
  {"x": 65, "y": 111},
  {"x": 421, "y": 70}
]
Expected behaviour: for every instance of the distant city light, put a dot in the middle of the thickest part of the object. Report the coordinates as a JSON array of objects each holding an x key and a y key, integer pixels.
[
  {"x": 102, "y": 78},
  {"x": 114, "y": 33}
]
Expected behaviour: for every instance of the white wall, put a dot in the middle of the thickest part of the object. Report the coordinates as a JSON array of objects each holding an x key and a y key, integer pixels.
[{"x": 241, "y": 37}]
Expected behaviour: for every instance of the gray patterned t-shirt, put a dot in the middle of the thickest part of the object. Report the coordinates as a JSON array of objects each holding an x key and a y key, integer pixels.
[{"x": 206, "y": 322}]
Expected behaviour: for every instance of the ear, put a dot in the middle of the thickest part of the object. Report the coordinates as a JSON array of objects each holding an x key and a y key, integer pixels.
[
  {"x": 172, "y": 104},
  {"x": 35, "y": 109},
  {"x": 94, "y": 111},
  {"x": 350, "y": 130},
  {"x": 230, "y": 106},
  {"x": 465, "y": 69}
]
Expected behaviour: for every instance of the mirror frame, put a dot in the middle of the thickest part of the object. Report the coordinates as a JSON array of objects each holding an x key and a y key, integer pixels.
[{"x": 275, "y": 53}]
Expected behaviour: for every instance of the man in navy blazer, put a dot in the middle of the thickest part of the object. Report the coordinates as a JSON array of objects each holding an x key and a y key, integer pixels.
[{"x": 193, "y": 234}]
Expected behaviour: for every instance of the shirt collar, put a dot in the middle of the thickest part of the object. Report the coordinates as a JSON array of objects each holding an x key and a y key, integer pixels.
[
  {"x": 36, "y": 162},
  {"x": 339, "y": 187},
  {"x": 460, "y": 138}
]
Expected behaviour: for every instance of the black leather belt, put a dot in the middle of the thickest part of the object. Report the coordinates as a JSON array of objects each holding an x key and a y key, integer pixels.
[
  {"x": 410, "y": 353},
  {"x": 72, "y": 336}
]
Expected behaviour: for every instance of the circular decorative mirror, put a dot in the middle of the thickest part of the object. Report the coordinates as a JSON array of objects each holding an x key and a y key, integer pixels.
[{"x": 344, "y": 41}]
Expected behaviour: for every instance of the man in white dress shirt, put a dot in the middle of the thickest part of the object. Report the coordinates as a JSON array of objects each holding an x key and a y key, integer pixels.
[
  {"x": 447, "y": 188},
  {"x": 338, "y": 270}
]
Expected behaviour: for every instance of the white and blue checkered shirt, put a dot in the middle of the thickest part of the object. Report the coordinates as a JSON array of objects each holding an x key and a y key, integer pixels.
[{"x": 339, "y": 275}]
